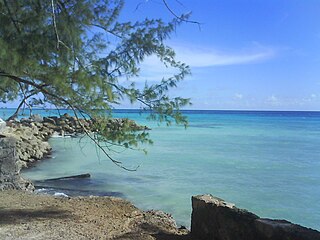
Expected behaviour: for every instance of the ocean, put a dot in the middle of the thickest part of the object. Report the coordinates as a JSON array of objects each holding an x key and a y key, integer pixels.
[{"x": 265, "y": 161}]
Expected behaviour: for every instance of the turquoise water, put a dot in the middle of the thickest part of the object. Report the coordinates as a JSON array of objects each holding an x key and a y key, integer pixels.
[{"x": 266, "y": 162}]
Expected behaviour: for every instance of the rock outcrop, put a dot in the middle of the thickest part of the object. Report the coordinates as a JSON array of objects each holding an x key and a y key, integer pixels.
[
  {"x": 9, "y": 169},
  {"x": 31, "y": 142},
  {"x": 214, "y": 219},
  {"x": 2, "y": 125}
]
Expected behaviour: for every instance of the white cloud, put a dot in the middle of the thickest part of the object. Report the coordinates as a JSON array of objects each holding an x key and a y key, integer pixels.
[
  {"x": 152, "y": 69},
  {"x": 201, "y": 57},
  {"x": 272, "y": 99},
  {"x": 311, "y": 98},
  {"x": 238, "y": 96},
  {"x": 310, "y": 102}
]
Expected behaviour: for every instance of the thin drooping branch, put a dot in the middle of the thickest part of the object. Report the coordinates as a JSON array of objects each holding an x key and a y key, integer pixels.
[
  {"x": 178, "y": 17},
  {"x": 23, "y": 101},
  {"x": 74, "y": 109},
  {"x": 25, "y": 98},
  {"x": 4, "y": 90},
  {"x": 55, "y": 24},
  {"x": 105, "y": 29},
  {"x": 15, "y": 114},
  {"x": 11, "y": 17},
  {"x": 118, "y": 163},
  {"x": 55, "y": 27}
]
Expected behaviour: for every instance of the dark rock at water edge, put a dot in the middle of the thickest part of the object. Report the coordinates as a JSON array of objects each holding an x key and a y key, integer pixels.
[
  {"x": 50, "y": 120},
  {"x": 215, "y": 219}
]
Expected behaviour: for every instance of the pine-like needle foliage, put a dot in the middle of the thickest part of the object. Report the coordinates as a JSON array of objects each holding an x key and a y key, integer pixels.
[{"x": 59, "y": 52}]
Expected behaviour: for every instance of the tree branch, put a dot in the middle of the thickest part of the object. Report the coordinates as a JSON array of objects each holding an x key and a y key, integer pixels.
[
  {"x": 42, "y": 89},
  {"x": 178, "y": 17},
  {"x": 15, "y": 114},
  {"x": 55, "y": 27},
  {"x": 105, "y": 29},
  {"x": 11, "y": 17}
]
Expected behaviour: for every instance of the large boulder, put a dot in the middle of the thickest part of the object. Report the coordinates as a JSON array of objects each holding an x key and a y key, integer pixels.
[
  {"x": 49, "y": 120},
  {"x": 2, "y": 125},
  {"x": 30, "y": 142},
  {"x": 214, "y": 219},
  {"x": 10, "y": 167},
  {"x": 36, "y": 118}
]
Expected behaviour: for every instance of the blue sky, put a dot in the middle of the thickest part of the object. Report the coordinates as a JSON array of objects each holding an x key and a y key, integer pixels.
[{"x": 247, "y": 55}]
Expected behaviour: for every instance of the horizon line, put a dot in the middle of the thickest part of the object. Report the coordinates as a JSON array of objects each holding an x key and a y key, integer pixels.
[{"x": 138, "y": 109}]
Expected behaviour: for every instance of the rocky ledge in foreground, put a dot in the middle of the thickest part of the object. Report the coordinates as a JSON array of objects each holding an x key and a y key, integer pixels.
[
  {"x": 31, "y": 216},
  {"x": 215, "y": 219}
]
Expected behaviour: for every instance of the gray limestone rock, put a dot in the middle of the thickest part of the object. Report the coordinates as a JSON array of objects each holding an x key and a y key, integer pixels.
[
  {"x": 10, "y": 168},
  {"x": 214, "y": 219},
  {"x": 49, "y": 120},
  {"x": 36, "y": 118},
  {"x": 2, "y": 125}
]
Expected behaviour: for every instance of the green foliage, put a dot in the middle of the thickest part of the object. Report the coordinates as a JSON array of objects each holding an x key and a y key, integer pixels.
[
  {"x": 123, "y": 132},
  {"x": 58, "y": 52}
]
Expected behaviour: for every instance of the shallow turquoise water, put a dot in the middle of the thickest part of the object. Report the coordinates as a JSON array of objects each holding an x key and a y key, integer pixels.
[{"x": 266, "y": 162}]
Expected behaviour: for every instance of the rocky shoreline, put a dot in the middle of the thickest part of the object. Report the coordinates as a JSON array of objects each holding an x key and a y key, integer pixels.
[
  {"x": 29, "y": 138},
  {"x": 23, "y": 143},
  {"x": 31, "y": 216}
]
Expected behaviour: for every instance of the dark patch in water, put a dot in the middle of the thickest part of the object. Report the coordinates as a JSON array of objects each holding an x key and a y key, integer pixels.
[
  {"x": 133, "y": 179},
  {"x": 153, "y": 177},
  {"x": 206, "y": 125},
  {"x": 74, "y": 187}
]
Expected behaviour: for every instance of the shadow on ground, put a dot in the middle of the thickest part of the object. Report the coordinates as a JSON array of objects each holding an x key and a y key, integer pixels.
[
  {"x": 158, "y": 236},
  {"x": 145, "y": 231},
  {"x": 163, "y": 236},
  {"x": 14, "y": 216}
]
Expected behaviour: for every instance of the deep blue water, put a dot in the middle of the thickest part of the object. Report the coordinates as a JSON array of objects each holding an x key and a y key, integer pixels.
[{"x": 267, "y": 162}]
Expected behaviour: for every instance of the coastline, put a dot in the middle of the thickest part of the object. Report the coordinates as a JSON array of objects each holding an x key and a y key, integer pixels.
[
  {"x": 32, "y": 215},
  {"x": 9, "y": 199},
  {"x": 32, "y": 134}
]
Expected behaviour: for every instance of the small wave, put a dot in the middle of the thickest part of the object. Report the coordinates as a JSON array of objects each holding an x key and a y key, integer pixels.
[
  {"x": 40, "y": 190},
  {"x": 50, "y": 191},
  {"x": 60, "y": 194},
  {"x": 56, "y": 135},
  {"x": 71, "y": 192}
]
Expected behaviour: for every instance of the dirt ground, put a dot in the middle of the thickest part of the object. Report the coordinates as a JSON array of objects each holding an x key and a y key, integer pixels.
[{"x": 33, "y": 216}]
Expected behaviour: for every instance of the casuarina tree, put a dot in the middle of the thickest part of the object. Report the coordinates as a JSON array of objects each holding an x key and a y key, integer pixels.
[{"x": 76, "y": 54}]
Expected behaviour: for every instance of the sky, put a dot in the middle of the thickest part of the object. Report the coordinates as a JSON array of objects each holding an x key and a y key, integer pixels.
[{"x": 246, "y": 54}]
